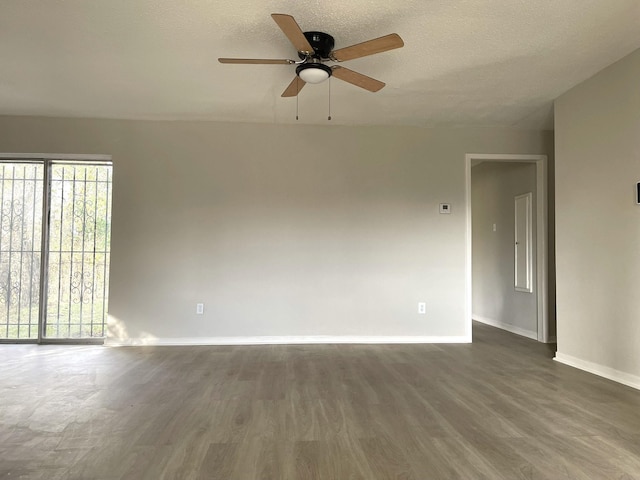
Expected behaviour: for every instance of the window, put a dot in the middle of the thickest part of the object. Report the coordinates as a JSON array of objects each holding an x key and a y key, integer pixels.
[{"x": 55, "y": 228}]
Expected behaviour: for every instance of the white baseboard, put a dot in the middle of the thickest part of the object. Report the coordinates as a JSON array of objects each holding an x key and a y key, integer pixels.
[
  {"x": 283, "y": 340},
  {"x": 600, "y": 370},
  {"x": 505, "y": 326}
]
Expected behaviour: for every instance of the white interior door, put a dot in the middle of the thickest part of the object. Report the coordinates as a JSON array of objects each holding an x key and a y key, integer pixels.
[{"x": 523, "y": 243}]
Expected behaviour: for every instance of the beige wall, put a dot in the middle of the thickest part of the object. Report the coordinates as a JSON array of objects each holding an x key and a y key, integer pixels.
[
  {"x": 598, "y": 224},
  {"x": 494, "y": 186},
  {"x": 280, "y": 230}
]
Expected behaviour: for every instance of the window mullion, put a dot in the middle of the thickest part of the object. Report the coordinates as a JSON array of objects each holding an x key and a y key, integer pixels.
[{"x": 44, "y": 251}]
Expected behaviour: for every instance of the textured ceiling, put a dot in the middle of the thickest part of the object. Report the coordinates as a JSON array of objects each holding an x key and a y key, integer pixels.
[{"x": 465, "y": 62}]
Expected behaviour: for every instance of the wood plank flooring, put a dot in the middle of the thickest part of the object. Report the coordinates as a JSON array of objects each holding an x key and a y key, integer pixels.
[{"x": 499, "y": 408}]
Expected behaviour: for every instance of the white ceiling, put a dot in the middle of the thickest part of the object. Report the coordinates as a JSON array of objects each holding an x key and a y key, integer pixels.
[{"x": 465, "y": 62}]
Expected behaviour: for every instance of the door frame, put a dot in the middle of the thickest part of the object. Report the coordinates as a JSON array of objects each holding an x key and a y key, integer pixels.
[{"x": 542, "y": 244}]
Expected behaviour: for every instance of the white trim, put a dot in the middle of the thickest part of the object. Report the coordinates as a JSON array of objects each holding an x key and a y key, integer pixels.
[
  {"x": 542, "y": 252},
  {"x": 284, "y": 340},
  {"x": 542, "y": 293},
  {"x": 600, "y": 370},
  {"x": 509, "y": 328},
  {"x": 55, "y": 156},
  {"x": 468, "y": 282}
]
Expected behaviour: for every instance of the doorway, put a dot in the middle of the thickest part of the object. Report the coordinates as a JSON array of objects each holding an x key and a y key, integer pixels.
[
  {"x": 540, "y": 214},
  {"x": 55, "y": 228}
]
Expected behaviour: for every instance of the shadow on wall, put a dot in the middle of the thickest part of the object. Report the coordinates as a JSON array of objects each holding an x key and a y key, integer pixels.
[{"x": 117, "y": 334}]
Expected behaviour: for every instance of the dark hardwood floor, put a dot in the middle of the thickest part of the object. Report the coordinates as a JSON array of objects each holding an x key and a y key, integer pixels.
[{"x": 499, "y": 408}]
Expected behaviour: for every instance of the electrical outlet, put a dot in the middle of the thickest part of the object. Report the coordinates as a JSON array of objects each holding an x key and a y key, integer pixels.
[
  {"x": 199, "y": 308},
  {"x": 422, "y": 308}
]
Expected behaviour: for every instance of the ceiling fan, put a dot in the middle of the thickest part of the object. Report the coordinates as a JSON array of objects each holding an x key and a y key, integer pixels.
[{"x": 315, "y": 49}]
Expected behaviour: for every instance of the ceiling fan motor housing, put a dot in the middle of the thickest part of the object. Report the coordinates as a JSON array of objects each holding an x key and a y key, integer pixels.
[{"x": 321, "y": 42}]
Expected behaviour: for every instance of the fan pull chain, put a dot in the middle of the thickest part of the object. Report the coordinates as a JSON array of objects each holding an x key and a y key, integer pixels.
[
  {"x": 329, "y": 117},
  {"x": 298, "y": 94}
]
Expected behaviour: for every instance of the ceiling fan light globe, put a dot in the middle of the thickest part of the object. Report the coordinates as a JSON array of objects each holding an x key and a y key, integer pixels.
[
  {"x": 313, "y": 72},
  {"x": 313, "y": 75}
]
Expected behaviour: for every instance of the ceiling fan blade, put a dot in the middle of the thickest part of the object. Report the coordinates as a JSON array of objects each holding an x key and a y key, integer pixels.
[
  {"x": 293, "y": 32},
  {"x": 357, "y": 79},
  {"x": 255, "y": 61},
  {"x": 377, "y": 45},
  {"x": 294, "y": 87}
]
